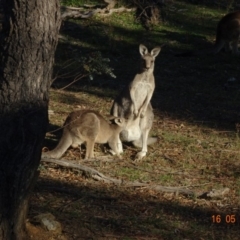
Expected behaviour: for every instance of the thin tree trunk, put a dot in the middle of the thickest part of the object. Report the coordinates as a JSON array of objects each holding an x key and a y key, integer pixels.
[{"x": 28, "y": 43}]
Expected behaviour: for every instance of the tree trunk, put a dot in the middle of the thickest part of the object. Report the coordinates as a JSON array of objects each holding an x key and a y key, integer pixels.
[{"x": 28, "y": 42}]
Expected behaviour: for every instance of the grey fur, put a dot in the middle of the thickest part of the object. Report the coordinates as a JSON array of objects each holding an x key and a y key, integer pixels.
[{"x": 133, "y": 103}]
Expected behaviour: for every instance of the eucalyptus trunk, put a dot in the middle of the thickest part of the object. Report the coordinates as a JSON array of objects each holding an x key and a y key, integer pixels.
[{"x": 28, "y": 41}]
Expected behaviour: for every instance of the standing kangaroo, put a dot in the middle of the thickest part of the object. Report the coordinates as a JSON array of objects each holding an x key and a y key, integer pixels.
[
  {"x": 90, "y": 127},
  {"x": 133, "y": 104}
]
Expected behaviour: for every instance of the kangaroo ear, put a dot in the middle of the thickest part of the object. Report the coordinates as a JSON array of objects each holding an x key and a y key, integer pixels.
[
  {"x": 155, "y": 51},
  {"x": 118, "y": 121},
  {"x": 143, "y": 50}
]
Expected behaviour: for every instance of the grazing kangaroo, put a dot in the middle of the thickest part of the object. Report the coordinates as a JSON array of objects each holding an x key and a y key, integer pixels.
[
  {"x": 90, "y": 127},
  {"x": 133, "y": 104},
  {"x": 227, "y": 36}
]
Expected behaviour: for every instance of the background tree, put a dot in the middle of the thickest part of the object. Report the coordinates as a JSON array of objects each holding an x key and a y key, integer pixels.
[{"x": 28, "y": 42}]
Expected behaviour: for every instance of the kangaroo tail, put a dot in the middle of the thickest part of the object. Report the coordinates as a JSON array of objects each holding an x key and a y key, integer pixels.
[
  {"x": 138, "y": 143},
  {"x": 152, "y": 140},
  {"x": 64, "y": 143}
]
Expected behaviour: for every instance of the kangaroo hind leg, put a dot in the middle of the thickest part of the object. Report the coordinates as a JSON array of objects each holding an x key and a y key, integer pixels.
[
  {"x": 144, "y": 139},
  {"x": 90, "y": 149}
]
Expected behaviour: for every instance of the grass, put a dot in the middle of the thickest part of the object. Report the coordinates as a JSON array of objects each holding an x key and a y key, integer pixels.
[{"x": 196, "y": 117}]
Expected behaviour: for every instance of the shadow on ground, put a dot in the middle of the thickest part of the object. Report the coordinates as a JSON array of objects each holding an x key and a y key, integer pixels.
[{"x": 92, "y": 210}]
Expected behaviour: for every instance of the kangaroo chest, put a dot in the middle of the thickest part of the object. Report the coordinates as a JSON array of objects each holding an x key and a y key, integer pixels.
[
  {"x": 145, "y": 83},
  {"x": 142, "y": 88}
]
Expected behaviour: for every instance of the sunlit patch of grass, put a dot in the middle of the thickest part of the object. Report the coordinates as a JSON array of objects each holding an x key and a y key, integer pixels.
[
  {"x": 77, "y": 3},
  {"x": 177, "y": 138},
  {"x": 132, "y": 174},
  {"x": 165, "y": 179}
]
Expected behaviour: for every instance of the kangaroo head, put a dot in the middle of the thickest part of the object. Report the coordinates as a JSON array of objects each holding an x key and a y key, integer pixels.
[{"x": 148, "y": 58}]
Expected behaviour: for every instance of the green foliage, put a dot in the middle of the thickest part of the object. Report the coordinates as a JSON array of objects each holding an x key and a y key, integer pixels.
[
  {"x": 76, "y": 3},
  {"x": 82, "y": 66},
  {"x": 95, "y": 64}
]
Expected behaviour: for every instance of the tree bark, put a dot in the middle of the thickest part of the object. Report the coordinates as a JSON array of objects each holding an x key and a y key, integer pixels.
[{"x": 28, "y": 42}]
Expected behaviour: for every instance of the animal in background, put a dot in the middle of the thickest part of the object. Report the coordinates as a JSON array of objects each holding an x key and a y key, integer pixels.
[
  {"x": 133, "y": 104},
  {"x": 227, "y": 36},
  {"x": 91, "y": 127},
  {"x": 228, "y": 33}
]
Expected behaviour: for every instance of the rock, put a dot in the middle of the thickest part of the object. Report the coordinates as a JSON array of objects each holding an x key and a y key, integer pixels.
[
  {"x": 48, "y": 222},
  {"x": 216, "y": 193},
  {"x": 220, "y": 193}
]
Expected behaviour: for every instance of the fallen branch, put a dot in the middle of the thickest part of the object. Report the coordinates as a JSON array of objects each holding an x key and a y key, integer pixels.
[
  {"x": 71, "y": 8},
  {"x": 91, "y": 172},
  {"x": 101, "y": 158},
  {"x": 70, "y": 12}
]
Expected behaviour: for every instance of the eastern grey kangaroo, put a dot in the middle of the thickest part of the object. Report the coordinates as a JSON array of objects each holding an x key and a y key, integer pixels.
[
  {"x": 228, "y": 33},
  {"x": 90, "y": 127},
  {"x": 227, "y": 36},
  {"x": 133, "y": 104}
]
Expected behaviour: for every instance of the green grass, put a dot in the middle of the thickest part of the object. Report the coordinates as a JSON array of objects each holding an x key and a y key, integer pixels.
[{"x": 77, "y": 3}]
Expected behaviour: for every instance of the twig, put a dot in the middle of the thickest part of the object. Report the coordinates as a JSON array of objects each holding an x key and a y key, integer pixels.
[
  {"x": 71, "y": 8},
  {"x": 198, "y": 185},
  {"x": 75, "y": 80},
  {"x": 65, "y": 65}
]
